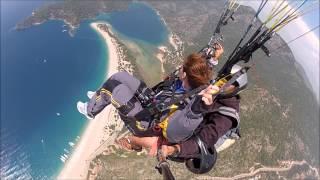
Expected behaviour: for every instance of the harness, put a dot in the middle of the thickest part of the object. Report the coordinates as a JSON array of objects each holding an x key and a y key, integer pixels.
[
  {"x": 160, "y": 103},
  {"x": 182, "y": 99},
  {"x": 233, "y": 133},
  {"x": 152, "y": 101}
]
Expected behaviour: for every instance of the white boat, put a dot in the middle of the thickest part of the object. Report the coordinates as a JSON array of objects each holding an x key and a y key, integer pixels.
[
  {"x": 63, "y": 159},
  {"x": 71, "y": 144}
]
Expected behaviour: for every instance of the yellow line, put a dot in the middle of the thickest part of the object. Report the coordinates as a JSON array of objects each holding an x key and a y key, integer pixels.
[{"x": 113, "y": 101}]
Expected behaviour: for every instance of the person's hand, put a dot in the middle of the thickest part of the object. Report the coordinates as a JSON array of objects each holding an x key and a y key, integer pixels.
[
  {"x": 167, "y": 150},
  {"x": 157, "y": 144},
  {"x": 218, "y": 50},
  {"x": 207, "y": 94},
  {"x": 153, "y": 150}
]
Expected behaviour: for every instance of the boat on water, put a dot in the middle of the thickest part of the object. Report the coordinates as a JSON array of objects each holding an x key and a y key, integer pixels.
[
  {"x": 65, "y": 150},
  {"x": 71, "y": 144},
  {"x": 63, "y": 159}
]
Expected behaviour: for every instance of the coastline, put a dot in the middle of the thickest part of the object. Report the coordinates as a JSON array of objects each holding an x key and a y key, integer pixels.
[
  {"x": 165, "y": 54},
  {"x": 100, "y": 132}
]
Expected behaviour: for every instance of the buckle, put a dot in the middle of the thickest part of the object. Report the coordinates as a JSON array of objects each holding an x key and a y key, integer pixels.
[
  {"x": 126, "y": 108},
  {"x": 160, "y": 107}
]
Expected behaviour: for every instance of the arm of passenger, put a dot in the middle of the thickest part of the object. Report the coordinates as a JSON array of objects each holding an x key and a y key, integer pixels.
[
  {"x": 182, "y": 123},
  {"x": 209, "y": 134}
]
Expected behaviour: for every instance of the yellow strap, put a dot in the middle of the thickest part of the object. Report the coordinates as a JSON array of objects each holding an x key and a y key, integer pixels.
[
  {"x": 138, "y": 125},
  {"x": 164, "y": 124},
  {"x": 114, "y": 102},
  {"x": 221, "y": 82}
]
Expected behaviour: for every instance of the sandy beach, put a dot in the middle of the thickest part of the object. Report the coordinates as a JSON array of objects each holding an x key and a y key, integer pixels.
[{"x": 97, "y": 134}]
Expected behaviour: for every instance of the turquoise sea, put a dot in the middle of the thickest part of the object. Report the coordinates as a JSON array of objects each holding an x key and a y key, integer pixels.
[{"x": 44, "y": 72}]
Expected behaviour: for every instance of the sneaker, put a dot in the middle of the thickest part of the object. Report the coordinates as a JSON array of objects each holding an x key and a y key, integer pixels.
[
  {"x": 90, "y": 94},
  {"x": 82, "y": 108}
]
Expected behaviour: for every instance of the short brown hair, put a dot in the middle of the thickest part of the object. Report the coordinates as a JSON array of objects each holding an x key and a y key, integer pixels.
[{"x": 197, "y": 70}]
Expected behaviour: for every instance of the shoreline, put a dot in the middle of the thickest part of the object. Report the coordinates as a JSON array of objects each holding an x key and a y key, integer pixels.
[
  {"x": 97, "y": 134},
  {"x": 163, "y": 53},
  {"x": 161, "y": 57}
]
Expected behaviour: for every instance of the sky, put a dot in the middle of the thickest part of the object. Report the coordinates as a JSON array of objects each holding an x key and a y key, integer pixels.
[{"x": 306, "y": 48}]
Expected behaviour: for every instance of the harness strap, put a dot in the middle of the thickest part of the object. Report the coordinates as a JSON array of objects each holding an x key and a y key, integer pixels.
[
  {"x": 144, "y": 94},
  {"x": 231, "y": 112},
  {"x": 167, "y": 83},
  {"x": 227, "y": 111},
  {"x": 164, "y": 124},
  {"x": 233, "y": 133},
  {"x": 189, "y": 95},
  {"x": 110, "y": 84},
  {"x": 126, "y": 108},
  {"x": 144, "y": 115}
]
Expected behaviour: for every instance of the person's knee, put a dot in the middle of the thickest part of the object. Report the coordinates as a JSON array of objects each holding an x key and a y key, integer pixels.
[
  {"x": 122, "y": 94},
  {"x": 119, "y": 76},
  {"x": 127, "y": 79}
]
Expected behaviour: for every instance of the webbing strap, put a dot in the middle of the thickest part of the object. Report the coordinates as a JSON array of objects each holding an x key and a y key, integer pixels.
[
  {"x": 189, "y": 95},
  {"x": 126, "y": 108},
  {"x": 229, "y": 112},
  {"x": 142, "y": 87},
  {"x": 110, "y": 84},
  {"x": 144, "y": 94}
]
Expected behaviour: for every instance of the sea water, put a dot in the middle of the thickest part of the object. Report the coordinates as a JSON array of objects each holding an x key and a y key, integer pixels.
[{"x": 44, "y": 72}]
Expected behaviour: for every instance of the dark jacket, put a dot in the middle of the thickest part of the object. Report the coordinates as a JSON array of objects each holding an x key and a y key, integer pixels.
[{"x": 212, "y": 128}]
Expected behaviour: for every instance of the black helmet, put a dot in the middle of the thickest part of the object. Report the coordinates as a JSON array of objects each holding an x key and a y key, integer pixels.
[{"x": 205, "y": 162}]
